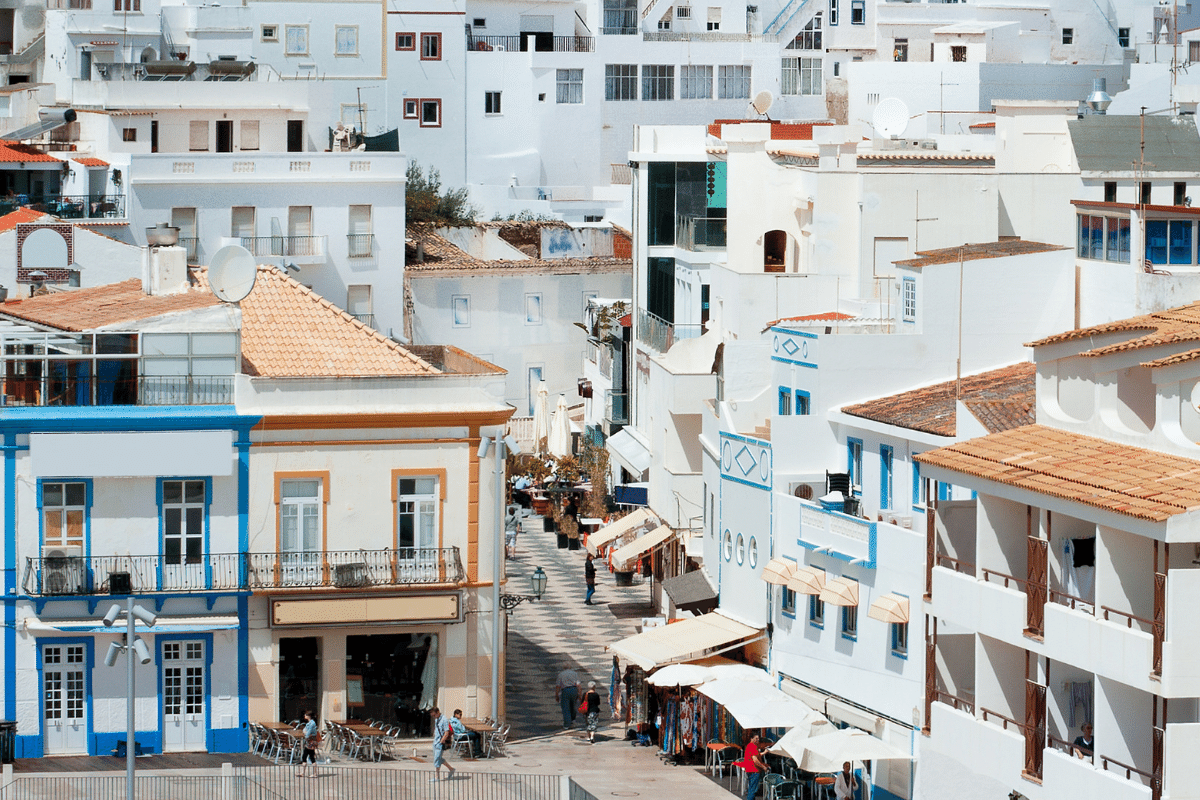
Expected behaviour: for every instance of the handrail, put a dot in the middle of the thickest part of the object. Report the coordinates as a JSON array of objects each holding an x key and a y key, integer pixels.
[
  {"x": 987, "y": 572},
  {"x": 955, "y": 564},
  {"x": 1067, "y": 747},
  {"x": 1130, "y": 618},
  {"x": 1021, "y": 726},
  {"x": 1073, "y": 601},
  {"x": 1129, "y": 770},
  {"x": 955, "y": 701}
]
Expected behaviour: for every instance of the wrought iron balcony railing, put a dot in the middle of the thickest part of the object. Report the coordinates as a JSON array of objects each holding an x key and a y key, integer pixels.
[{"x": 351, "y": 569}]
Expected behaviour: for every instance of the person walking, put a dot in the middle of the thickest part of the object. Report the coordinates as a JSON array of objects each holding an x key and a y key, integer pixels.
[
  {"x": 442, "y": 737},
  {"x": 591, "y": 707},
  {"x": 589, "y": 576},
  {"x": 566, "y": 692},
  {"x": 311, "y": 743}
]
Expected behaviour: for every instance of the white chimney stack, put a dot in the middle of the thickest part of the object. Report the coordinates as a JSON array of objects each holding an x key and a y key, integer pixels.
[{"x": 166, "y": 271}]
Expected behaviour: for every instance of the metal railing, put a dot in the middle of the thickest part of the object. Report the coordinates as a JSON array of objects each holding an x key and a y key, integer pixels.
[
  {"x": 623, "y": 30},
  {"x": 69, "y": 5},
  {"x": 387, "y": 784},
  {"x": 85, "y": 390},
  {"x": 1074, "y": 602},
  {"x": 1130, "y": 771},
  {"x": 147, "y": 787},
  {"x": 1148, "y": 624},
  {"x": 109, "y": 206},
  {"x": 354, "y": 568},
  {"x": 657, "y": 333},
  {"x": 365, "y": 319},
  {"x": 560, "y": 44},
  {"x": 708, "y": 36},
  {"x": 360, "y": 245},
  {"x": 192, "y": 245},
  {"x": 1004, "y": 721},
  {"x": 958, "y": 703},
  {"x": 958, "y": 565},
  {"x": 93, "y": 575},
  {"x": 700, "y": 233},
  {"x": 285, "y": 245},
  {"x": 988, "y": 574},
  {"x": 1063, "y": 746},
  {"x": 616, "y": 407}
]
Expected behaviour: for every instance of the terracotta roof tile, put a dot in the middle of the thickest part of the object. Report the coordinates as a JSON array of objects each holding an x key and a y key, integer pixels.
[
  {"x": 21, "y": 215},
  {"x": 1001, "y": 399},
  {"x": 90, "y": 162},
  {"x": 99, "y": 306},
  {"x": 1174, "y": 326},
  {"x": 978, "y": 251},
  {"x": 11, "y": 152},
  {"x": 1133, "y": 481},
  {"x": 441, "y": 256}
]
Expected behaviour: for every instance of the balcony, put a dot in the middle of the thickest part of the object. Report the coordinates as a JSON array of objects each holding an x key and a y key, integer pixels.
[
  {"x": 302, "y": 247},
  {"x": 365, "y": 319},
  {"x": 192, "y": 245},
  {"x": 658, "y": 334},
  {"x": 354, "y": 569},
  {"x": 81, "y": 389},
  {"x": 69, "y": 206},
  {"x": 102, "y": 575},
  {"x": 65, "y": 576},
  {"x": 700, "y": 233},
  {"x": 360, "y": 245},
  {"x": 546, "y": 44},
  {"x": 616, "y": 407}
]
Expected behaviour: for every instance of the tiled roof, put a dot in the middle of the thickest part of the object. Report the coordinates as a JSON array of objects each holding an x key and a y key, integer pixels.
[
  {"x": 288, "y": 330},
  {"x": 443, "y": 256},
  {"x": 11, "y": 152},
  {"x": 14, "y": 218},
  {"x": 1001, "y": 399},
  {"x": 828, "y": 316},
  {"x": 983, "y": 125},
  {"x": 1140, "y": 483},
  {"x": 780, "y": 131},
  {"x": 98, "y": 306},
  {"x": 90, "y": 162},
  {"x": 978, "y": 251},
  {"x": 1174, "y": 326}
]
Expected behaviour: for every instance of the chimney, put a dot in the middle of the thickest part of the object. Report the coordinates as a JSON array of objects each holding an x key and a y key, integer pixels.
[{"x": 166, "y": 268}]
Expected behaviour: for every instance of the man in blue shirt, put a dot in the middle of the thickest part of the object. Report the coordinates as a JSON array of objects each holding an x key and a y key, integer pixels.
[{"x": 442, "y": 737}]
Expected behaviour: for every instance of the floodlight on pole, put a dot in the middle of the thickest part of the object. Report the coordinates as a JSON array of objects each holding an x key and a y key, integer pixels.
[{"x": 133, "y": 647}]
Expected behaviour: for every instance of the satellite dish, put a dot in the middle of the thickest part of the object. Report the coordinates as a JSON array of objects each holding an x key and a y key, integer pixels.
[
  {"x": 890, "y": 118},
  {"x": 762, "y": 101},
  {"x": 231, "y": 273}
]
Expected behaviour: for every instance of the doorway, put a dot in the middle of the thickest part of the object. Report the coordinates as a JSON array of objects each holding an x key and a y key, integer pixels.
[
  {"x": 299, "y": 677},
  {"x": 184, "y": 682},
  {"x": 295, "y": 135},
  {"x": 64, "y": 708},
  {"x": 224, "y": 136},
  {"x": 393, "y": 677}
]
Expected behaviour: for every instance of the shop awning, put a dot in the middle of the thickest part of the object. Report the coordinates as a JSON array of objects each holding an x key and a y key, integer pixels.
[
  {"x": 840, "y": 592},
  {"x": 629, "y": 452},
  {"x": 889, "y": 608},
  {"x": 685, "y": 640},
  {"x": 691, "y": 591},
  {"x": 642, "y": 544},
  {"x": 622, "y": 526},
  {"x": 778, "y": 570},
  {"x": 806, "y": 580},
  {"x": 161, "y": 625}
]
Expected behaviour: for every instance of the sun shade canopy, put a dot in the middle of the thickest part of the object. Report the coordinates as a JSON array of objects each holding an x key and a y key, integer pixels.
[
  {"x": 890, "y": 608},
  {"x": 840, "y": 592},
  {"x": 685, "y": 640}
]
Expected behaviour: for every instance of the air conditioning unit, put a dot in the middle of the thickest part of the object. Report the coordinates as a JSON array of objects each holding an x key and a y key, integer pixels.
[
  {"x": 350, "y": 575},
  {"x": 62, "y": 570},
  {"x": 683, "y": 12}
]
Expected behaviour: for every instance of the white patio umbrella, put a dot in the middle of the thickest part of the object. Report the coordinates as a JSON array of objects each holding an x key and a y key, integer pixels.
[
  {"x": 541, "y": 418},
  {"x": 727, "y": 690},
  {"x": 772, "y": 709},
  {"x": 741, "y": 671},
  {"x": 680, "y": 675},
  {"x": 559, "y": 440},
  {"x": 825, "y": 752}
]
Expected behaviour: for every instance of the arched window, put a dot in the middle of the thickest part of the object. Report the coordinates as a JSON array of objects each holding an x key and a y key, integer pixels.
[{"x": 774, "y": 251}]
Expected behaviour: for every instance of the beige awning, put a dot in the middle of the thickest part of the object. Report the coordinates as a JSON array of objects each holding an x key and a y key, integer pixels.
[
  {"x": 806, "y": 580},
  {"x": 778, "y": 571},
  {"x": 685, "y": 640},
  {"x": 889, "y": 608},
  {"x": 840, "y": 592},
  {"x": 622, "y": 526},
  {"x": 642, "y": 544}
]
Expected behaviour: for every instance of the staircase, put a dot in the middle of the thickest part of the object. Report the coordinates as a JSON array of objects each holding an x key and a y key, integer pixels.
[{"x": 784, "y": 18}]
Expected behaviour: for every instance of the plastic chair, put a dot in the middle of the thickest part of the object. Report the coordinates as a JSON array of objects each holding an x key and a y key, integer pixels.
[
  {"x": 726, "y": 758},
  {"x": 786, "y": 790},
  {"x": 769, "y": 782}
]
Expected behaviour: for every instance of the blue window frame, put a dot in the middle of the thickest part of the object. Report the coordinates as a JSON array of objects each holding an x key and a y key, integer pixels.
[
  {"x": 787, "y": 602},
  {"x": 1180, "y": 248},
  {"x": 183, "y": 528},
  {"x": 803, "y": 403},
  {"x": 816, "y": 611},
  {"x": 1156, "y": 241},
  {"x": 858, "y": 12},
  {"x": 785, "y": 401},
  {"x": 918, "y": 487},
  {"x": 854, "y": 450},
  {"x": 886, "y": 459},
  {"x": 900, "y": 639},
  {"x": 850, "y": 622},
  {"x": 945, "y": 491}
]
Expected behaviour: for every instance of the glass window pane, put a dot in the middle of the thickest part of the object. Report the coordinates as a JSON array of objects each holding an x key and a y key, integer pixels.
[
  {"x": 1097, "y": 237},
  {"x": 52, "y": 494},
  {"x": 1156, "y": 241},
  {"x": 300, "y": 488},
  {"x": 172, "y": 521},
  {"x": 1181, "y": 241},
  {"x": 172, "y": 491},
  {"x": 76, "y": 494},
  {"x": 426, "y": 485},
  {"x": 195, "y": 492}
]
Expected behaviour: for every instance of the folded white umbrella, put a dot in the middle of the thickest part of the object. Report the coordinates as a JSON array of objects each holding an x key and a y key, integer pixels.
[
  {"x": 559, "y": 440},
  {"x": 680, "y": 675},
  {"x": 772, "y": 709},
  {"x": 541, "y": 417},
  {"x": 827, "y": 751}
]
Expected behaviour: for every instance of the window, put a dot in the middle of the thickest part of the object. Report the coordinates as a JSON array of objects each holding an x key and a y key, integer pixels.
[
  {"x": 785, "y": 401},
  {"x": 918, "y": 486},
  {"x": 431, "y": 113},
  {"x": 1122, "y": 37},
  {"x": 910, "y": 300},
  {"x": 858, "y": 12},
  {"x": 787, "y": 601},
  {"x": 958, "y": 53},
  {"x": 568, "y": 86},
  {"x": 620, "y": 82},
  {"x": 801, "y": 76},
  {"x": 127, "y": 5},
  {"x": 816, "y": 609},
  {"x": 300, "y": 516},
  {"x": 64, "y": 513},
  {"x": 1108, "y": 238},
  {"x": 727, "y": 545},
  {"x": 417, "y": 513},
  {"x": 491, "y": 102},
  {"x": 695, "y": 82},
  {"x": 129, "y": 134},
  {"x": 833, "y": 12},
  {"x": 184, "y": 504},
  {"x": 683, "y": 12},
  {"x": 359, "y": 236},
  {"x": 1181, "y": 191},
  {"x": 431, "y": 47},
  {"x": 460, "y": 308},
  {"x": 1068, "y": 35},
  {"x": 837, "y": 67},
  {"x": 406, "y": 41},
  {"x": 1180, "y": 241},
  {"x": 658, "y": 82},
  {"x": 1110, "y": 191},
  {"x": 664, "y": 24},
  {"x": 198, "y": 135},
  {"x": 900, "y": 50},
  {"x": 410, "y": 109},
  {"x": 752, "y": 552},
  {"x": 533, "y": 309},
  {"x": 809, "y": 38},
  {"x": 900, "y": 639},
  {"x": 479, "y": 22},
  {"x": 296, "y": 40},
  {"x": 241, "y": 222},
  {"x": 733, "y": 82},
  {"x": 803, "y": 403},
  {"x": 269, "y": 33},
  {"x": 249, "y": 134},
  {"x": 886, "y": 459},
  {"x": 345, "y": 40},
  {"x": 850, "y": 622},
  {"x": 359, "y": 303},
  {"x": 1144, "y": 193},
  {"x": 714, "y": 18},
  {"x": 620, "y": 17},
  {"x": 854, "y": 448},
  {"x": 740, "y": 548}
]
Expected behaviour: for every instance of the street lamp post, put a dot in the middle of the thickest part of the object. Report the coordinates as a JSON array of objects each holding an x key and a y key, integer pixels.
[{"x": 133, "y": 646}]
